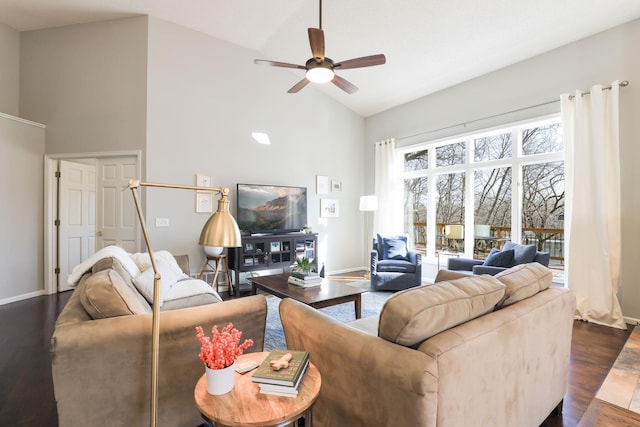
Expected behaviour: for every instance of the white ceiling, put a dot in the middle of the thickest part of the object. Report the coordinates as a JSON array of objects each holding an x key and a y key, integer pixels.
[{"x": 429, "y": 44}]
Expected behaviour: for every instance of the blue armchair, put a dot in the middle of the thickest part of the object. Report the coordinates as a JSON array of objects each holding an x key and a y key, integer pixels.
[
  {"x": 499, "y": 260},
  {"x": 393, "y": 266}
]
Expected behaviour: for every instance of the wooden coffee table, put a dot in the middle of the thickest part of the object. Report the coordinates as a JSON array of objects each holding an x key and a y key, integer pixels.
[
  {"x": 329, "y": 293},
  {"x": 245, "y": 406}
]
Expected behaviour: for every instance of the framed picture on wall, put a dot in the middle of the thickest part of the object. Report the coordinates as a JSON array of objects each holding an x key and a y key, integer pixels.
[
  {"x": 322, "y": 184},
  {"x": 203, "y": 180},
  {"x": 204, "y": 202},
  {"x": 336, "y": 185},
  {"x": 329, "y": 208}
]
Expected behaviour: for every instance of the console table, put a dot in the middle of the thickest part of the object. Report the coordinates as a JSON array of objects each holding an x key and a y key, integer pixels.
[{"x": 271, "y": 251}]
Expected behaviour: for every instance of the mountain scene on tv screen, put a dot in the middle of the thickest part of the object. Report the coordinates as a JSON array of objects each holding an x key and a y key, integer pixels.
[{"x": 273, "y": 209}]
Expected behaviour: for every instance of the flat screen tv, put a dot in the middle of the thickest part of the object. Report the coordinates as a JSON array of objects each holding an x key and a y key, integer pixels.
[{"x": 271, "y": 208}]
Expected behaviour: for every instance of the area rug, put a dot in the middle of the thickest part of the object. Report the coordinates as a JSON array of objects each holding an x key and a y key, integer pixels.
[
  {"x": 372, "y": 303},
  {"x": 622, "y": 385}
]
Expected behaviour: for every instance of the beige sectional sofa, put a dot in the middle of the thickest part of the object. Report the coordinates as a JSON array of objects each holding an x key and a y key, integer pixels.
[
  {"x": 101, "y": 348},
  {"x": 466, "y": 351}
]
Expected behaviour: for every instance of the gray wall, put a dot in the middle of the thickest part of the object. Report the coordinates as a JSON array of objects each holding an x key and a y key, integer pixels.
[
  {"x": 9, "y": 70},
  {"x": 611, "y": 55},
  {"x": 189, "y": 102},
  {"x": 88, "y": 84},
  {"x": 21, "y": 170},
  {"x": 205, "y": 97}
]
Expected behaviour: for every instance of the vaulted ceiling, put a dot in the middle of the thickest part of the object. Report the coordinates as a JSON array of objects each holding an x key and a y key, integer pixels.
[{"x": 429, "y": 44}]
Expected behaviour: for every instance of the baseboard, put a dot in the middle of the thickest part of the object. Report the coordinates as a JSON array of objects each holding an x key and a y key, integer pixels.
[
  {"x": 631, "y": 320},
  {"x": 343, "y": 271},
  {"x": 21, "y": 297}
]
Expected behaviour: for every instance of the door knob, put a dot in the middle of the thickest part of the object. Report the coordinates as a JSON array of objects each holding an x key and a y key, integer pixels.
[{"x": 99, "y": 233}]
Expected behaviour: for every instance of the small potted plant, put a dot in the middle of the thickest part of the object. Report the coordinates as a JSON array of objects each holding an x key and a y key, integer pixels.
[
  {"x": 303, "y": 267},
  {"x": 219, "y": 354}
]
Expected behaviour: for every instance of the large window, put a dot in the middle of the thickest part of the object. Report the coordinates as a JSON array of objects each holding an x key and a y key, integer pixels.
[{"x": 470, "y": 194}]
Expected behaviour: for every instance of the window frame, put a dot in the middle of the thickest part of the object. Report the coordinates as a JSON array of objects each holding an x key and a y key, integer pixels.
[{"x": 517, "y": 161}]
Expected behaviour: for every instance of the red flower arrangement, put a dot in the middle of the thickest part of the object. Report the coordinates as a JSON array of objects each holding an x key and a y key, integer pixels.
[{"x": 222, "y": 349}]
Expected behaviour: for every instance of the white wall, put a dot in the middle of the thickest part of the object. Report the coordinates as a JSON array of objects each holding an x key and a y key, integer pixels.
[
  {"x": 88, "y": 84},
  {"x": 205, "y": 97},
  {"x": 21, "y": 170},
  {"x": 608, "y": 56},
  {"x": 9, "y": 70}
]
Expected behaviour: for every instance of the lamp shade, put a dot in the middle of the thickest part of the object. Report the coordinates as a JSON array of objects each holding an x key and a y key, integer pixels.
[
  {"x": 369, "y": 203},
  {"x": 455, "y": 231},
  {"x": 221, "y": 229}
]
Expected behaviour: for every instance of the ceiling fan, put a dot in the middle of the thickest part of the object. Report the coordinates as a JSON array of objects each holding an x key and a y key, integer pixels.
[{"x": 321, "y": 69}]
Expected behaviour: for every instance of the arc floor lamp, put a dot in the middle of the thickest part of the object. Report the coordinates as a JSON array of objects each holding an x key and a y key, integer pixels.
[{"x": 220, "y": 230}]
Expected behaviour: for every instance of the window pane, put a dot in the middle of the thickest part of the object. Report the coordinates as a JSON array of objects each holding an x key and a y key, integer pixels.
[
  {"x": 451, "y": 154},
  {"x": 544, "y": 139},
  {"x": 417, "y": 160},
  {"x": 543, "y": 208},
  {"x": 493, "y": 147},
  {"x": 450, "y": 211},
  {"x": 415, "y": 209},
  {"x": 492, "y": 214}
]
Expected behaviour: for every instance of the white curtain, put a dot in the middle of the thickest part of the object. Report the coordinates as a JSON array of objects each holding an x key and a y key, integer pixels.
[
  {"x": 388, "y": 185},
  {"x": 592, "y": 212}
]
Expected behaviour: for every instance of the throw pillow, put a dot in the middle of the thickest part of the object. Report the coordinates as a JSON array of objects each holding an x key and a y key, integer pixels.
[
  {"x": 522, "y": 254},
  {"x": 523, "y": 281},
  {"x": 410, "y": 317},
  {"x": 168, "y": 277},
  {"x": 104, "y": 294},
  {"x": 394, "y": 247},
  {"x": 498, "y": 258}
]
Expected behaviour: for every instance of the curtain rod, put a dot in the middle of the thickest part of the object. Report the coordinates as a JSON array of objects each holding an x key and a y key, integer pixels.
[{"x": 623, "y": 83}]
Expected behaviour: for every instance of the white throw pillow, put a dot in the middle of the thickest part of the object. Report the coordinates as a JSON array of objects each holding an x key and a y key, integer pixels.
[{"x": 168, "y": 277}]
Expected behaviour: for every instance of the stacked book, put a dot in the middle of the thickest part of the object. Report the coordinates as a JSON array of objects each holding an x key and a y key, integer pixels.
[
  {"x": 305, "y": 280},
  {"x": 285, "y": 381}
]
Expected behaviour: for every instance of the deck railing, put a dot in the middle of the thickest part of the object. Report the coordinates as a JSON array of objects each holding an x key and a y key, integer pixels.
[{"x": 546, "y": 239}]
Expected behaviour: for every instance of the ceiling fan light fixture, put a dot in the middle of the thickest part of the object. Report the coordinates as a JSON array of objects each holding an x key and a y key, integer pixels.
[{"x": 319, "y": 72}]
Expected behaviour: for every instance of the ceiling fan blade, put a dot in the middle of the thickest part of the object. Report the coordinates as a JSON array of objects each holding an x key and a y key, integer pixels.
[
  {"x": 296, "y": 88},
  {"x": 316, "y": 40},
  {"x": 345, "y": 85},
  {"x": 365, "y": 61},
  {"x": 278, "y": 64}
]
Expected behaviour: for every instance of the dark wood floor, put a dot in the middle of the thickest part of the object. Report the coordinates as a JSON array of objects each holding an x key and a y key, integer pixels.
[{"x": 26, "y": 389}]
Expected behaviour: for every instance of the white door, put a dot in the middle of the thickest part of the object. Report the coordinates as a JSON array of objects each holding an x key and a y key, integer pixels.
[
  {"x": 77, "y": 205},
  {"x": 117, "y": 218}
]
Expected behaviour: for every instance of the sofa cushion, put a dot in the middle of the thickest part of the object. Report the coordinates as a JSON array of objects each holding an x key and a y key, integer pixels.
[
  {"x": 394, "y": 247},
  {"x": 522, "y": 254},
  {"x": 190, "y": 293},
  {"x": 523, "y": 281},
  {"x": 395, "y": 266},
  {"x": 498, "y": 258},
  {"x": 105, "y": 294},
  {"x": 410, "y": 317}
]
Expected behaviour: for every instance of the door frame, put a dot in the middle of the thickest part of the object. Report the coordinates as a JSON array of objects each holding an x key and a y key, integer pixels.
[{"x": 51, "y": 206}]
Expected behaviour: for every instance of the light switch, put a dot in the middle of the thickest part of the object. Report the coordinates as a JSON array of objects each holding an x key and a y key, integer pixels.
[{"x": 162, "y": 222}]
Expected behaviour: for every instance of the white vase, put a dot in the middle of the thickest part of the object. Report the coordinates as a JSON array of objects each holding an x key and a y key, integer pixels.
[{"x": 220, "y": 381}]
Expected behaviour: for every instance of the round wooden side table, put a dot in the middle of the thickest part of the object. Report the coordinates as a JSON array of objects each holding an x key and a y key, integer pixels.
[{"x": 246, "y": 406}]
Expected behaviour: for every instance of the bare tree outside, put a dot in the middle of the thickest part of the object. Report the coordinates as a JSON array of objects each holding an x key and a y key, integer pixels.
[{"x": 542, "y": 208}]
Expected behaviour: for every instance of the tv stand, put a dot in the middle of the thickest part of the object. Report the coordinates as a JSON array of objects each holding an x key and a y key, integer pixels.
[{"x": 271, "y": 251}]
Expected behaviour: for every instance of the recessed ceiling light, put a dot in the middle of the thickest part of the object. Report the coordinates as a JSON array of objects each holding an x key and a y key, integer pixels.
[{"x": 261, "y": 137}]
